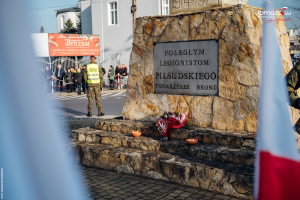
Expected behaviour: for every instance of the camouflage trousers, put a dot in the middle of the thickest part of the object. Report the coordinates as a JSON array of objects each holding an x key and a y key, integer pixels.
[{"x": 94, "y": 92}]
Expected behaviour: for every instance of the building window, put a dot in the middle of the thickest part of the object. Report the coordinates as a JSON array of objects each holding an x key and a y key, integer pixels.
[
  {"x": 165, "y": 7},
  {"x": 62, "y": 22},
  {"x": 113, "y": 13}
]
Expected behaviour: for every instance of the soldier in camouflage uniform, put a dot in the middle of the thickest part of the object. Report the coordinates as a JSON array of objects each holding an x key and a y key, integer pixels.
[
  {"x": 293, "y": 84},
  {"x": 93, "y": 75}
]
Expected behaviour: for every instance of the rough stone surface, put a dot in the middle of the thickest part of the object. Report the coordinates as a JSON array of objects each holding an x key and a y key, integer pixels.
[
  {"x": 201, "y": 111},
  {"x": 251, "y": 121},
  {"x": 177, "y": 103},
  {"x": 210, "y": 31},
  {"x": 158, "y": 26},
  {"x": 149, "y": 84},
  {"x": 231, "y": 34},
  {"x": 178, "y": 30},
  {"x": 242, "y": 107},
  {"x": 247, "y": 73},
  {"x": 226, "y": 53},
  {"x": 142, "y": 110},
  {"x": 222, "y": 112},
  {"x": 244, "y": 51},
  {"x": 223, "y": 22},
  {"x": 237, "y": 125},
  {"x": 228, "y": 87}
]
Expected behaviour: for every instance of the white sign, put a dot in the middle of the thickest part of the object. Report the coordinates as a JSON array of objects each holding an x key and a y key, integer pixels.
[{"x": 40, "y": 44}]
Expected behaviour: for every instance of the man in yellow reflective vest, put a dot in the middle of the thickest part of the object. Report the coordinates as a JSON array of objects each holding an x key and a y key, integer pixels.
[{"x": 93, "y": 76}]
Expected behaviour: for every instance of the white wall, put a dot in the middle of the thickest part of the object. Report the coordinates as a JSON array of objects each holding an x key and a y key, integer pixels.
[
  {"x": 67, "y": 15},
  {"x": 115, "y": 39},
  {"x": 148, "y": 7},
  {"x": 86, "y": 17}
]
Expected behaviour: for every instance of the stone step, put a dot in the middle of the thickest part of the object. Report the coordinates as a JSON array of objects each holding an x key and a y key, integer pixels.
[
  {"x": 218, "y": 153},
  {"x": 235, "y": 139},
  {"x": 224, "y": 178}
]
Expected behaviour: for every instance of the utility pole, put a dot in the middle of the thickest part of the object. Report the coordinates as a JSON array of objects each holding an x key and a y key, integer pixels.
[{"x": 133, "y": 12}]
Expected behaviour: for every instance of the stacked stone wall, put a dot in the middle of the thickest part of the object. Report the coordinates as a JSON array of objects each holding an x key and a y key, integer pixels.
[{"x": 238, "y": 30}]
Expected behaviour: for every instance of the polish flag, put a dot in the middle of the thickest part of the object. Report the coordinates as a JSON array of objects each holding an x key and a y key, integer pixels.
[
  {"x": 277, "y": 166},
  {"x": 283, "y": 8}
]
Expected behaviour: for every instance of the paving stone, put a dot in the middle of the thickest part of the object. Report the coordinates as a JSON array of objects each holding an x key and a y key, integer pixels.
[
  {"x": 195, "y": 196},
  {"x": 180, "y": 197},
  {"x": 168, "y": 197},
  {"x": 178, "y": 191},
  {"x": 201, "y": 193},
  {"x": 132, "y": 198},
  {"x": 209, "y": 194},
  {"x": 174, "y": 194},
  {"x": 193, "y": 190},
  {"x": 221, "y": 197},
  {"x": 185, "y": 194}
]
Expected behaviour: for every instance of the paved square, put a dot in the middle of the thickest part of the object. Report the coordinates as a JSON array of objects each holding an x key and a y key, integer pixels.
[{"x": 104, "y": 184}]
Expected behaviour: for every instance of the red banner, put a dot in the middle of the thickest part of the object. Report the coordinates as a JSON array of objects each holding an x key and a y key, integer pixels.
[{"x": 73, "y": 45}]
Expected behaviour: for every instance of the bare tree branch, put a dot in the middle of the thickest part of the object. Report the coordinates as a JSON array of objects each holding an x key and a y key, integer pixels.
[{"x": 295, "y": 7}]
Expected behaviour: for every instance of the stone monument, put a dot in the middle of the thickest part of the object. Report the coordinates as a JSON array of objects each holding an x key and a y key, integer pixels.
[{"x": 206, "y": 63}]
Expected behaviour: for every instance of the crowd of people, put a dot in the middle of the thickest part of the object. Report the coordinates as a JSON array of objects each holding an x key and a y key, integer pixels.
[
  {"x": 113, "y": 74},
  {"x": 74, "y": 79}
]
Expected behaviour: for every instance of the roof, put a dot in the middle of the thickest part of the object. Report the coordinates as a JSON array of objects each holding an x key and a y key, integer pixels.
[{"x": 72, "y": 9}]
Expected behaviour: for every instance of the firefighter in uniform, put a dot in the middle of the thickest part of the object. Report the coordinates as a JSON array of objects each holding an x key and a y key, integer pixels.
[{"x": 94, "y": 79}]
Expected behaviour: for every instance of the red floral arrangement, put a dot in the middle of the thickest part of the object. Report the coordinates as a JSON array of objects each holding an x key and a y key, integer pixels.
[{"x": 171, "y": 120}]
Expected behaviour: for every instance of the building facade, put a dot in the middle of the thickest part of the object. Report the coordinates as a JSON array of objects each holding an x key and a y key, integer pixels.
[
  {"x": 64, "y": 14},
  {"x": 112, "y": 20}
]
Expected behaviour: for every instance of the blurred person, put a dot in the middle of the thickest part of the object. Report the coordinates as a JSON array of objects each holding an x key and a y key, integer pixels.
[
  {"x": 47, "y": 76},
  {"x": 117, "y": 71},
  {"x": 69, "y": 81},
  {"x": 83, "y": 80},
  {"x": 293, "y": 84},
  {"x": 124, "y": 70},
  {"x": 73, "y": 70},
  {"x": 59, "y": 74},
  {"x": 94, "y": 78},
  {"x": 103, "y": 70},
  {"x": 78, "y": 80},
  {"x": 111, "y": 77}
]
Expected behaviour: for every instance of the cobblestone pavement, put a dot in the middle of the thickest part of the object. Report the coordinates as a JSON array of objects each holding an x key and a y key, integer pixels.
[{"x": 105, "y": 184}]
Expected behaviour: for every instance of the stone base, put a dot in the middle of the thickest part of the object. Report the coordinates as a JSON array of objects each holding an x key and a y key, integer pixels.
[
  {"x": 234, "y": 139},
  {"x": 208, "y": 175},
  {"x": 222, "y": 161}
]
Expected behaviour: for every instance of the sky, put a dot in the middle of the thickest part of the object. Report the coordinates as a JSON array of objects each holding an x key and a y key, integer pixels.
[{"x": 42, "y": 12}]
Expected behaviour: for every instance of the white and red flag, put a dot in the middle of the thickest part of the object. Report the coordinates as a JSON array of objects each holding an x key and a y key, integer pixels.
[{"x": 277, "y": 166}]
